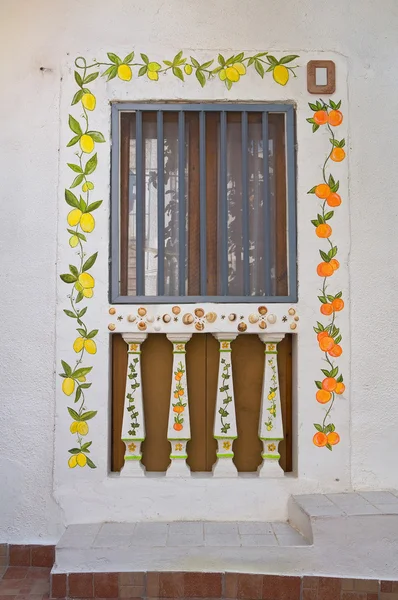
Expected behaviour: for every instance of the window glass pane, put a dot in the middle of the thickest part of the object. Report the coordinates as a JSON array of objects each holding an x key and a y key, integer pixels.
[
  {"x": 234, "y": 204},
  {"x": 171, "y": 228},
  {"x": 150, "y": 193},
  {"x": 256, "y": 206}
]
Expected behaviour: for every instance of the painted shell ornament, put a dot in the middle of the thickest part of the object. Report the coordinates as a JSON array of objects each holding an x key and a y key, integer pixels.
[{"x": 211, "y": 317}]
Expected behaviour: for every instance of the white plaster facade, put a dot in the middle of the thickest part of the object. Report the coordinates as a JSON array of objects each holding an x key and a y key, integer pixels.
[{"x": 39, "y": 494}]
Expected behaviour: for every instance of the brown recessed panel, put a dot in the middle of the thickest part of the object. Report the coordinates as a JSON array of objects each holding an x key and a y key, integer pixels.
[{"x": 330, "y": 85}]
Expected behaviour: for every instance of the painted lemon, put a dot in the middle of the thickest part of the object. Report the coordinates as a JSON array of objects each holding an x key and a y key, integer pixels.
[
  {"x": 232, "y": 74},
  {"x": 73, "y": 426},
  {"x": 68, "y": 386},
  {"x": 87, "y": 143},
  {"x": 87, "y": 223},
  {"x": 152, "y": 75},
  {"x": 89, "y": 101},
  {"x": 240, "y": 67},
  {"x": 72, "y": 462},
  {"x": 74, "y": 217},
  {"x": 73, "y": 241},
  {"x": 82, "y": 379},
  {"x": 78, "y": 286},
  {"x": 281, "y": 74},
  {"x": 81, "y": 459},
  {"x": 86, "y": 280},
  {"x": 188, "y": 69},
  {"x": 124, "y": 72},
  {"x": 222, "y": 75},
  {"x": 82, "y": 428},
  {"x": 87, "y": 185},
  {"x": 88, "y": 293},
  {"x": 78, "y": 344},
  {"x": 90, "y": 346}
]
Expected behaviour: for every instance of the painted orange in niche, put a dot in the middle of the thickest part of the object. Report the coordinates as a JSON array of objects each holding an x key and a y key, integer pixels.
[{"x": 320, "y": 439}]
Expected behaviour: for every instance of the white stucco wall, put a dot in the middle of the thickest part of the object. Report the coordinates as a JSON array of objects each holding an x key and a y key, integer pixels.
[{"x": 49, "y": 35}]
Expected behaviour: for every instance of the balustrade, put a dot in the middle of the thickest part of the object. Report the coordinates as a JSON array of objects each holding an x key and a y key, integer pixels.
[{"x": 225, "y": 432}]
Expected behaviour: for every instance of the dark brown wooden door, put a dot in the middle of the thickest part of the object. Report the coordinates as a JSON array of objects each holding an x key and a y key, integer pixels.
[{"x": 202, "y": 369}]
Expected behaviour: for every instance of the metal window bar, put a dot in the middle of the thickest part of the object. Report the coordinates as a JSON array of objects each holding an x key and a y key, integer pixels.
[{"x": 223, "y": 109}]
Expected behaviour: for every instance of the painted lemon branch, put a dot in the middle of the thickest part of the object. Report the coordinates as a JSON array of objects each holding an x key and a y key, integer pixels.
[
  {"x": 271, "y": 396},
  {"x": 81, "y": 223},
  {"x": 225, "y": 388},
  {"x": 134, "y": 385},
  {"x": 229, "y": 70},
  {"x": 328, "y": 336}
]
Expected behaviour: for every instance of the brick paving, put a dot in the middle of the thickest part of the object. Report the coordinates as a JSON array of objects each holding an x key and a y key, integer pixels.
[{"x": 24, "y": 583}]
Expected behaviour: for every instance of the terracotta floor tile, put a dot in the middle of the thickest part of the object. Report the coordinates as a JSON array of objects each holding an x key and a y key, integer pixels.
[
  {"x": 16, "y": 573},
  {"x": 19, "y": 555}
]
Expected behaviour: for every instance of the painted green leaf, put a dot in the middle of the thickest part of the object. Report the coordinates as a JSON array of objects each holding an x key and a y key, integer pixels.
[
  {"x": 318, "y": 427},
  {"x": 91, "y": 165},
  {"x": 259, "y": 68},
  {"x": 82, "y": 204},
  {"x": 66, "y": 368},
  {"x": 81, "y": 331},
  {"x": 127, "y": 59},
  {"x": 77, "y": 181},
  {"x": 74, "y": 450},
  {"x": 329, "y": 447},
  {"x": 178, "y": 73},
  {"x": 334, "y": 372},
  {"x": 97, "y": 136},
  {"x": 110, "y": 72},
  {"x": 325, "y": 372},
  {"x": 271, "y": 60},
  {"x": 114, "y": 58},
  {"x": 82, "y": 311},
  {"x": 338, "y": 339},
  {"x": 67, "y": 278},
  {"x": 79, "y": 297},
  {"x": 92, "y": 334},
  {"x": 195, "y": 62},
  {"x": 77, "y": 97},
  {"x": 221, "y": 60},
  {"x": 207, "y": 64},
  {"x": 89, "y": 262},
  {"x": 73, "y": 141},
  {"x": 338, "y": 295},
  {"x": 90, "y": 463},
  {"x": 318, "y": 384},
  {"x": 239, "y": 57},
  {"x": 69, "y": 313},
  {"x": 81, "y": 236},
  {"x": 86, "y": 446},
  {"x": 177, "y": 57},
  {"x": 288, "y": 59},
  {"x": 322, "y": 299},
  {"x": 75, "y": 168},
  {"x": 329, "y": 215},
  {"x": 85, "y": 386},
  {"x": 315, "y": 128},
  {"x": 200, "y": 77},
  {"x": 78, "y": 394},
  {"x": 144, "y": 58},
  {"x": 331, "y": 181},
  {"x": 78, "y": 79},
  {"x": 74, "y": 271},
  {"x": 73, "y": 414},
  {"x": 91, "y": 77},
  {"x": 88, "y": 415},
  {"x": 324, "y": 256},
  {"x": 93, "y": 205},
  {"x": 315, "y": 222},
  {"x": 75, "y": 125},
  {"x": 312, "y": 107},
  {"x": 81, "y": 372},
  {"x": 228, "y": 84},
  {"x": 312, "y": 190},
  {"x": 142, "y": 71},
  {"x": 71, "y": 199},
  {"x": 340, "y": 379}
]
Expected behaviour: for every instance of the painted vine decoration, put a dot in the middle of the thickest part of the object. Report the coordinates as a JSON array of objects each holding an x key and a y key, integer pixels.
[
  {"x": 272, "y": 395},
  {"x": 225, "y": 388},
  {"x": 179, "y": 406},
  {"x": 134, "y": 385},
  {"x": 328, "y": 333},
  {"x": 80, "y": 220}
]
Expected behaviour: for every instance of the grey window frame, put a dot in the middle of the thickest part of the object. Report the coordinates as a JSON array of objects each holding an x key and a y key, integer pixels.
[{"x": 202, "y": 107}]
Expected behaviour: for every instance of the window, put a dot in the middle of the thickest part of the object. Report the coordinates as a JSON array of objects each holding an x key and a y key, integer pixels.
[{"x": 203, "y": 203}]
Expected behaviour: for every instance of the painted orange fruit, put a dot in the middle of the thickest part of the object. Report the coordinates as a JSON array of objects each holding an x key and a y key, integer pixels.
[
  {"x": 177, "y": 426},
  {"x": 323, "y": 230},
  {"x": 320, "y": 117},
  {"x": 337, "y": 154},
  {"x": 322, "y": 191},
  {"x": 321, "y": 335},
  {"x": 178, "y": 409},
  {"x": 335, "y": 264},
  {"x": 178, "y": 376},
  {"x": 334, "y": 199},
  {"x": 335, "y": 118},
  {"x": 338, "y": 304},
  {"x": 320, "y": 439},
  {"x": 335, "y": 351},
  {"x": 329, "y": 384},
  {"x": 326, "y": 343},
  {"x": 323, "y": 396},
  {"x": 324, "y": 269},
  {"x": 340, "y": 388},
  {"x": 326, "y": 309},
  {"x": 333, "y": 438}
]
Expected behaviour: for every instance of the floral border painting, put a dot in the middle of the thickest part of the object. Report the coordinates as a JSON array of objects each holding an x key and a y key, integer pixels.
[
  {"x": 328, "y": 116},
  {"x": 83, "y": 201}
]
